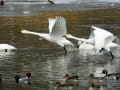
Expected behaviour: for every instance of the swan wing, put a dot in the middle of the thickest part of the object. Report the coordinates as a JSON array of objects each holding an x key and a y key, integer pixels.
[
  {"x": 101, "y": 37},
  {"x": 58, "y": 28},
  {"x": 110, "y": 44},
  {"x": 51, "y": 24},
  {"x": 99, "y": 42},
  {"x": 92, "y": 35},
  {"x": 109, "y": 39},
  {"x": 103, "y": 31}
]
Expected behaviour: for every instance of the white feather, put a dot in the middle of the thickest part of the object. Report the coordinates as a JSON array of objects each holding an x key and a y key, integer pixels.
[
  {"x": 105, "y": 41},
  {"x": 58, "y": 26},
  {"x": 102, "y": 38},
  {"x": 57, "y": 29},
  {"x": 51, "y": 24},
  {"x": 98, "y": 39},
  {"x": 7, "y": 46}
]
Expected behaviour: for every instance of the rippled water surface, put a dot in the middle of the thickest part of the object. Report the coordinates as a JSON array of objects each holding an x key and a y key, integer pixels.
[{"x": 46, "y": 61}]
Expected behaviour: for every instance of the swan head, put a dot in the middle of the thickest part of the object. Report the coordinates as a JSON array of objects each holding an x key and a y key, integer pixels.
[{"x": 24, "y": 31}]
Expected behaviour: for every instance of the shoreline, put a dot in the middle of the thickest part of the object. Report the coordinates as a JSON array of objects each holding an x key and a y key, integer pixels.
[{"x": 26, "y": 9}]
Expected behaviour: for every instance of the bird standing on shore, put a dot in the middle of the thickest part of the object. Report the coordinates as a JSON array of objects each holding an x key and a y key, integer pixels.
[{"x": 51, "y": 2}]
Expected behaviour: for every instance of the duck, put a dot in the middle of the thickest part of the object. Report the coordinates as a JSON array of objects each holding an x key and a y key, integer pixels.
[
  {"x": 95, "y": 80},
  {"x": 92, "y": 87},
  {"x": 96, "y": 87},
  {"x": 114, "y": 76},
  {"x": 98, "y": 76},
  {"x": 98, "y": 73},
  {"x": 71, "y": 79},
  {"x": 23, "y": 79},
  {"x": 59, "y": 86}
]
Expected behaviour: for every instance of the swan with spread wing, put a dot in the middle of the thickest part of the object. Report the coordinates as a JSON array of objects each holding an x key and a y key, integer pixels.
[
  {"x": 57, "y": 29},
  {"x": 99, "y": 40},
  {"x": 104, "y": 40}
]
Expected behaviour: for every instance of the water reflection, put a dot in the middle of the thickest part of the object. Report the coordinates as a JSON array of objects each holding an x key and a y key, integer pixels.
[
  {"x": 47, "y": 68},
  {"x": 44, "y": 60}
]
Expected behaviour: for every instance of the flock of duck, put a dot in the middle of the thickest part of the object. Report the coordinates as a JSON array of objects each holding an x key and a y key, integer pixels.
[
  {"x": 68, "y": 82},
  {"x": 99, "y": 40},
  {"x": 96, "y": 82}
]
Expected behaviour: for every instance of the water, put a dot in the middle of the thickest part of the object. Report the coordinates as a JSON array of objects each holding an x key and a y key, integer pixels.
[{"x": 46, "y": 61}]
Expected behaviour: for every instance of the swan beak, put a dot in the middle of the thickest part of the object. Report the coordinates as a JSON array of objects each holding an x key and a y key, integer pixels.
[{"x": 22, "y": 30}]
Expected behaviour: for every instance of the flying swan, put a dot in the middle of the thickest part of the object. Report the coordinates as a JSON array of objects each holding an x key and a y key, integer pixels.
[
  {"x": 57, "y": 29},
  {"x": 99, "y": 40}
]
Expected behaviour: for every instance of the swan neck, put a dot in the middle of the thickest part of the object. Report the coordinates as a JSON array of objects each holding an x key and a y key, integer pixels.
[
  {"x": 73, "y": 37},
  {"x": 33, "y": 33},
  {"x": 81, "y": 39}
]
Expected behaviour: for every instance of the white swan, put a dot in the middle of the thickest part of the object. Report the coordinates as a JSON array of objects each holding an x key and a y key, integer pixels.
[
  {"x": 84, "y": 44},
  {"x": 99, "y": 40},
  {"x": 6, "y": 47},
  {"x": 104, "y": 40},
  {"x": 57, "y": 29}
]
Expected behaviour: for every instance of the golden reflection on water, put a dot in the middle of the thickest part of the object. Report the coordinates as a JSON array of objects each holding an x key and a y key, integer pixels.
[{"x": 78, "y": 24}]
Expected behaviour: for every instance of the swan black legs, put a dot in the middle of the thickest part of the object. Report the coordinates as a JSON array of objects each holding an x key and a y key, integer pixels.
[
  {"x": 111, "y": 54},
  {"x": 65, "y": 50},
  {"x": 6, "y": 50},
  {"x": 102, "y": 49}
]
